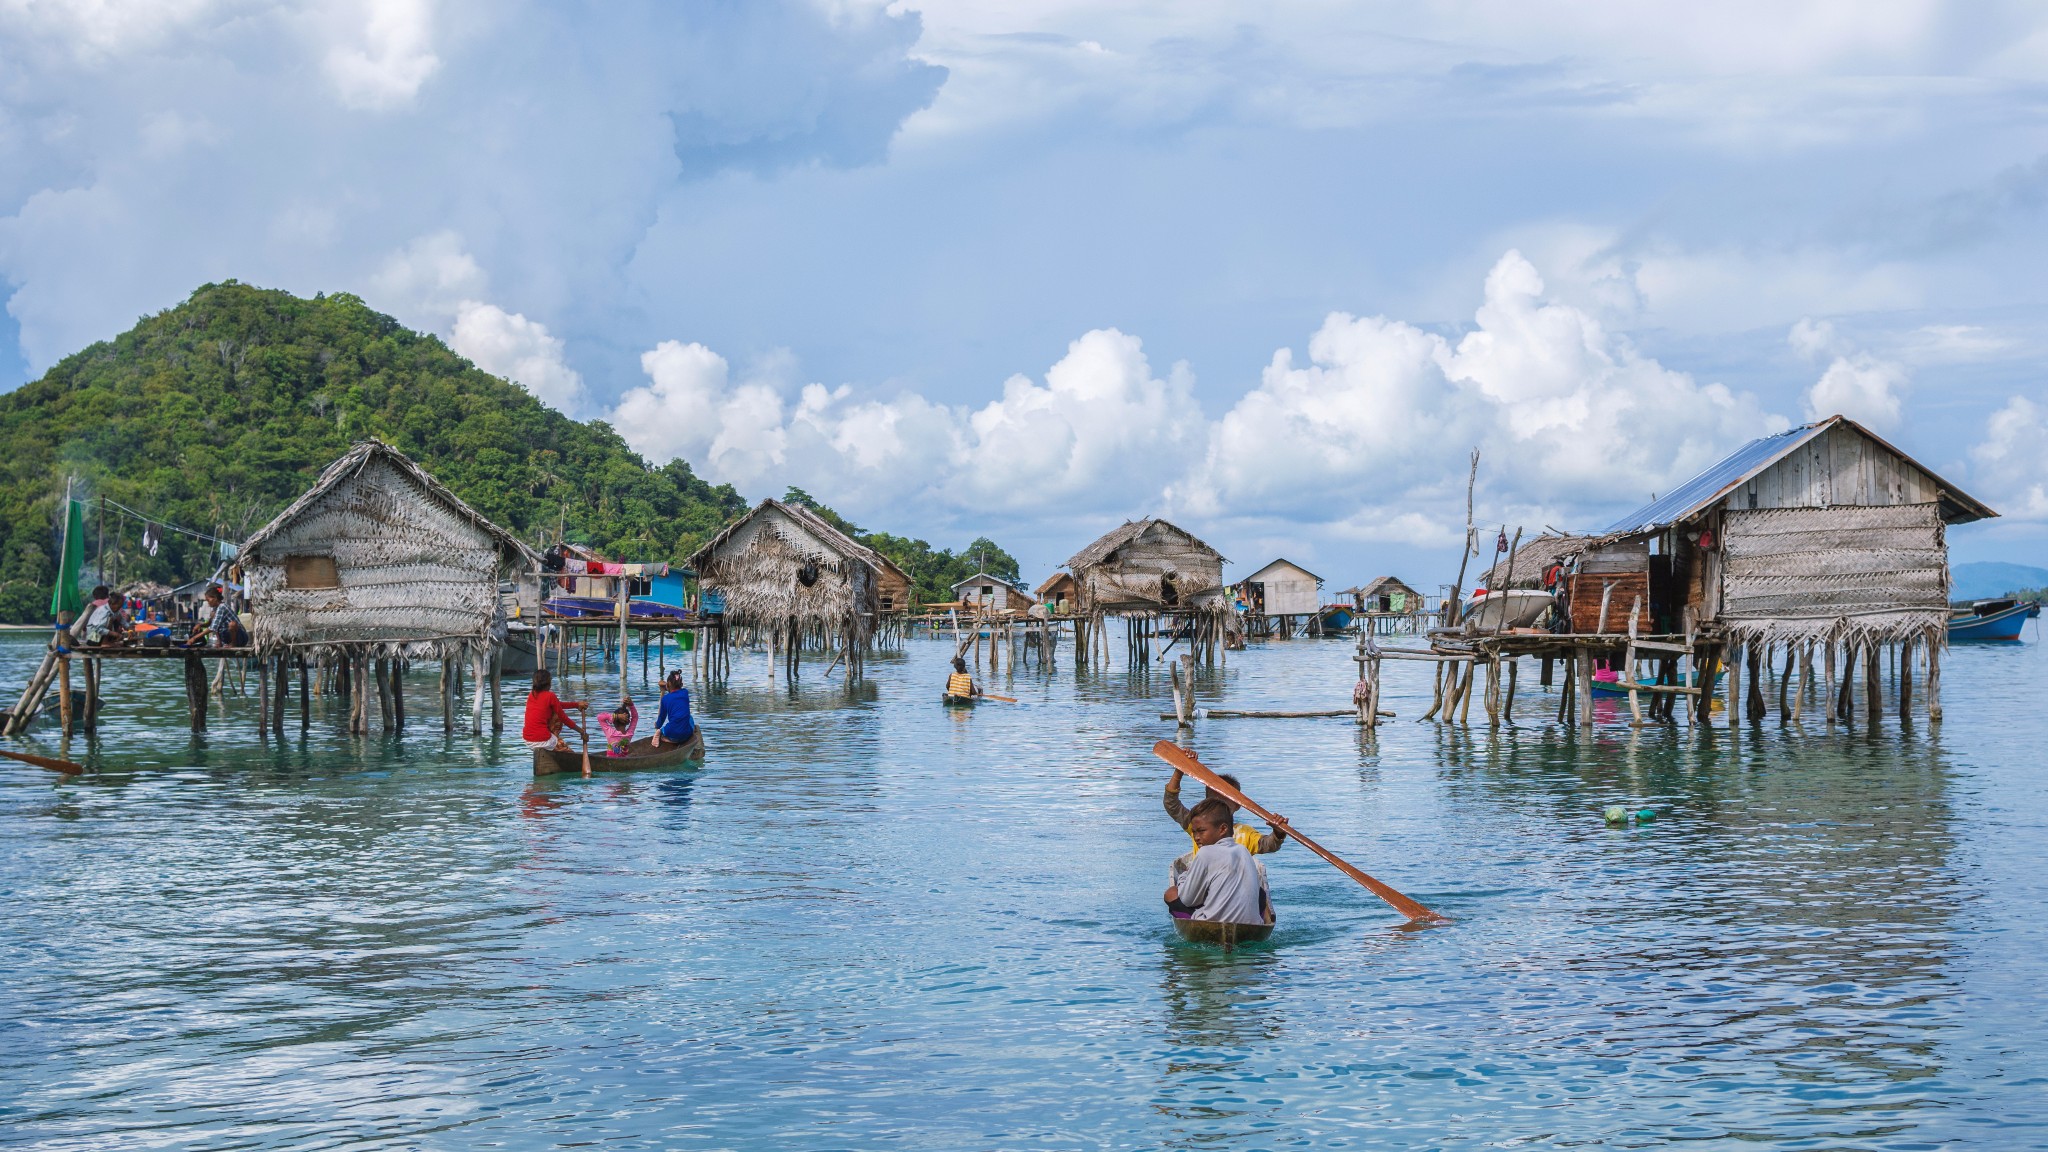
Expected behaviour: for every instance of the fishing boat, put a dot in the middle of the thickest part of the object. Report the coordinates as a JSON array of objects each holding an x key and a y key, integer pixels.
[
  {"x": 1338, "y": 617},
  {"x": 1991, "y": 619},
  {"x": 1619, "y": 687},
  {"x": 1505, "y": 608},
  {"x": 1219, "y": 933},
  {"x": 641, "y": 755}
]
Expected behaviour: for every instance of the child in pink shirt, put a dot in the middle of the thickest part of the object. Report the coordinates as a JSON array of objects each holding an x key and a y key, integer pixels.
[{"x": 617, "y": 726}]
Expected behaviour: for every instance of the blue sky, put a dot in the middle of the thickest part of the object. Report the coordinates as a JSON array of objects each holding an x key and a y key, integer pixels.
[{"x": 1031, "y": 268}]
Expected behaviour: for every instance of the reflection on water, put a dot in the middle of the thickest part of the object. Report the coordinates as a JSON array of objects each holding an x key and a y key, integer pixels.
[{"x": 868, "y": 919}]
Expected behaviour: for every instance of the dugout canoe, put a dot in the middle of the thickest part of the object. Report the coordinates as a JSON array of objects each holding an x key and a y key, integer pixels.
[
  {"x": 960, "y": 701},
  {"x": 640, "y": 755},
  {"x": 1219, "y": 933}
]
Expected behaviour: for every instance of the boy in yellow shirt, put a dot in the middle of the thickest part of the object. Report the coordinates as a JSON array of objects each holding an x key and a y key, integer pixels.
[{"x": 1254, "y": 841}]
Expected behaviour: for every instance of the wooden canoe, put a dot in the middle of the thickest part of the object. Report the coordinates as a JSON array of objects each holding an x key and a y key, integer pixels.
[
  {"x": 960, "y": 701},
  {"x": 640, "y": 755},
  {"x": 1217, "y": 932}
]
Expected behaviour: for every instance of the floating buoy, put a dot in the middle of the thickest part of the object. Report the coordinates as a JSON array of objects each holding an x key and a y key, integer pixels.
[{"x": 1616, "y": 814}]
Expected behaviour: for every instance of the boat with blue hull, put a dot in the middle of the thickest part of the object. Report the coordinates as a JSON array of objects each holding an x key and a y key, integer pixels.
[{"x": 1992, "y": 620}]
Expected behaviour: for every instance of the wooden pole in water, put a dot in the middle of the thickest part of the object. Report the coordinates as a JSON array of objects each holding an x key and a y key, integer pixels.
[
  {"x": 305, "y": 697},
  {"x": 1508, "y": 709},
  {"x": 1905, "y": 664},
  {"x": 262, "y": 696},
  {"x": 1934, "y": 645},
  {"x": 1873, "y": 682},
  {"x": 497, "y": 699},
  {"x": 1582, "y": 701}
]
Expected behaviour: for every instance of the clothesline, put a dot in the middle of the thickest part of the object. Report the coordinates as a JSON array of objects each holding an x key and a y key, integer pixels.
[{"x": 147, "y": 518}]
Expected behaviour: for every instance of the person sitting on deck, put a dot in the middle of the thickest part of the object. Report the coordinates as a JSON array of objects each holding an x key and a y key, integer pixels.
[
  {"x": 101, "y": 623},
  {"x": 1254, "y": 841},
  {"x": 617, "y": 726},
  {"x": 546, "y": 714},
  {"x": 1224, "y": 884},
  {"x": 672, "y": 720},
  {"x": 961, "y": 686}
]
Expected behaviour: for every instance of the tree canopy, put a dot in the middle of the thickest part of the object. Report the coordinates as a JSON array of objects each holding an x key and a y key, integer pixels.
[{"x": 218, "y": 412}]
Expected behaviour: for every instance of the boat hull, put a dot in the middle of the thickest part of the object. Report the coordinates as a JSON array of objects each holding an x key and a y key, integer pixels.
[
  {"x": 641, "y": 756},
  {"x": 959, "y": 701},
  {"x": 2004, "y": 624},
  {"x": 1510, "y": 608},
  {"x": 1221, "y": 934}
]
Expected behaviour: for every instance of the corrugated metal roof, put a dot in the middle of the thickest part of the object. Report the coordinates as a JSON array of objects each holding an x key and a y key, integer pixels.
[{"x": 1716, "y": 480}]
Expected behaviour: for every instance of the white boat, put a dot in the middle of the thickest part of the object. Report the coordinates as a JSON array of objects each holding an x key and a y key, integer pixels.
[{"x": 1507, "y": 608}]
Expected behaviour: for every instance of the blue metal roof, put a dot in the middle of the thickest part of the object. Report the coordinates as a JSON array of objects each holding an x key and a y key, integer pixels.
[{"x": 1714, "y": 483}]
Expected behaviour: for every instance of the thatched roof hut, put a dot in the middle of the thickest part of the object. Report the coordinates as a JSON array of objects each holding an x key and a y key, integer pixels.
[
  {"x": 1149, "y": 566},
  {"x": 893, "y": 588},
  {"x": 783, "y": 565},
  {"x": 379, "y": 558}
]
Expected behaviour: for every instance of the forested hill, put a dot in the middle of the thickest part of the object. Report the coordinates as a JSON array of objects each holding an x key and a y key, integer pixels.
[{"x": 218, "y": 412}]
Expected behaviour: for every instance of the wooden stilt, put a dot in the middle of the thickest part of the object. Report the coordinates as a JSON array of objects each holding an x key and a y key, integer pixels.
[
  {"x": 1582, "y": 701},
  {"x": 262, "y": 695},
  {"x": 1507, "y": 711},
  {"x": 497, "y": 699},
  {"x": 305, "y": 698},
  {"x": 1873, "y": 683},
  {"x": 1934, "y": 645},
  {"x": 1905, "y": 665},
  {"x": 1756, "y": 682}
]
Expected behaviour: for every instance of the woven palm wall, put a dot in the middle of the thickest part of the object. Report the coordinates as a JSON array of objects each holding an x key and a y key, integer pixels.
[
  {"x": 1123, "y": 570},
  {"x": 416, "y": 578},
  {"x": 1846, "y": 573},
  {"x": 759, "y": 567}
]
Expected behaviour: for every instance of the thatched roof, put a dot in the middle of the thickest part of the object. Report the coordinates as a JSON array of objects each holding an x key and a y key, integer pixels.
[
  {"x": 1117, "y": 537},
  {"x": 1147, "y": 566},
  {"x": 354, "y": 462},
  {"x": 1533, "y": 556},
  {"x": 379, "y": 556},
  {"x": 759, "y": 561},
  {"x": 1380, "y": 586}
]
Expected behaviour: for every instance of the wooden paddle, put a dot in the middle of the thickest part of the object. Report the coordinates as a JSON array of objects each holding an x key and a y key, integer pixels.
[
  {"x": 52, "y": 763},
  {"x": 1004, "y": 699},
  {"x": 1184, "y": 760}
]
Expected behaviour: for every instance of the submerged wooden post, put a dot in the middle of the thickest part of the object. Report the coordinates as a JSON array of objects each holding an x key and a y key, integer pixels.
[
  {"x": 1508, "y": 708},
  {"x": 497, "y": 699},
  {"x": 476, "y": 721},
  {"x": 1628, "y": 664},
  {"x": 398, "y": 692},
  {"x": 1756, "y": 682},
  {"x": 1934, "y": 646},
  {"x": 262, "y": 696},
  {"x": 196, "y": 690},
  {"x": 305, "y": 698},
  {"x": 1582, "y": 700},
  {"x": 1905, "y": 682},
  {"x": 1873, "y": 682}
]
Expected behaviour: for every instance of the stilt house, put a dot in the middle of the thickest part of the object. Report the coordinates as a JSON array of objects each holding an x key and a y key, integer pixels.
[
  {"x": 1145, "y": 570},
  {"x": 786, "y": 572},
  {"x": 1822, "y": 533},
  {"x": 378, "y": 558},
  {"x": 1385, "y": 594},
  {"x": 1282, "y": 588},
  {"x": 992, "y": 593},
  {"x": 1057, "y": 593}
]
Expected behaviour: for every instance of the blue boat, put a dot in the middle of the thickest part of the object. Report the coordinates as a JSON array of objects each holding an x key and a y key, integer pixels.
[
  {"x": 1337, "y": 617},
  {"x": 1991, "y": 619}
]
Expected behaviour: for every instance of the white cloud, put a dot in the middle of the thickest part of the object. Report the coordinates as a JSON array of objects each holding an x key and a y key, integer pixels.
[
  {"x": 1812, "y": 339},
  {"x": 1383, "y": 414},
  {"x": 1856, "y": 384},
  {"x": 1366, "y": 441},
  {"x": 388, "y": 55},
  {"x": 509, "y": 345},
  {"x": 2011, "y": 462},
  {"x": 425, "y": 283}
]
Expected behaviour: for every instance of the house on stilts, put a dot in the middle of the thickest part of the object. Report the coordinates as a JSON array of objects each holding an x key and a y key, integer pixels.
[
  {"x": 791, "y": 581},
  {"x": 377, "y": 565},
  {"x": 1819, "y": 554},
  {"x": 1157, "y": 577},
  {"x": 1280, "y": 599}
]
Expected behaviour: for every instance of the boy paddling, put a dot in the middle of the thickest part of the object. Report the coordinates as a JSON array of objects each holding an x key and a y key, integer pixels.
[
  {"x": 1253, "y": 840},
  {"x": 1222, "y": 885}
]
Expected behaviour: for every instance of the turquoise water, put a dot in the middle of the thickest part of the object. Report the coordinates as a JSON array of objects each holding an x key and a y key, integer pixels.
[{"x": 870, "y": 921}]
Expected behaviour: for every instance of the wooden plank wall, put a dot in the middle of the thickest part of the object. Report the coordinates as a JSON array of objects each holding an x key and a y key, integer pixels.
[
  {"x": 1626, "y": 569},
  {"x": 1842, "y": 467}
]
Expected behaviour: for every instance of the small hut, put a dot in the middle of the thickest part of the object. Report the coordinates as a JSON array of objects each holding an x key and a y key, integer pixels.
[
  {"x": 795, "y": 581},
  {"x": 892, "y": 588},
  {"x": 379, "y": 560},
  {"x": 1283, "y": 588},
  {"x": 1384, "y": 595},
  {"x": 988, "y": 593},
  {"x": 1057, "y": 593},
  {"x": 1147, "y": 570}
]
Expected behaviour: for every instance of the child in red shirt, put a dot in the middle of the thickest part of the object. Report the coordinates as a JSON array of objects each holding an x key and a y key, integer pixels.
[{"x": 546, "y": 715}]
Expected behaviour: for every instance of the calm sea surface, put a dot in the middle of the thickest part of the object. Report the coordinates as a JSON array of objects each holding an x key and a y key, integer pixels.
[{"x": 870, "y": 921}]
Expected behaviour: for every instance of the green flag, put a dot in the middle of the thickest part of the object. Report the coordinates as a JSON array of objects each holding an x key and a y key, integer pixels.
[{"x": 65, "y": 597}]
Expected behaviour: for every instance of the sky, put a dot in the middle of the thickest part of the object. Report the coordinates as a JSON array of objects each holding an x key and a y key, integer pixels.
[{"x": 1028, "y": 269}]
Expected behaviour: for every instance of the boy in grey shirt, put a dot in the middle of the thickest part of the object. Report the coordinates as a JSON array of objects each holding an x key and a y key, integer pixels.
[{"x": 1223, "y": 883}]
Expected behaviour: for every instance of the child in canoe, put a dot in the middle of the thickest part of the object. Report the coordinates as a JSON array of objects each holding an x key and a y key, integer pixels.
[
  {"x": 617, "y": 726},
  {"x": 1254, "y": 841},
  {"x": 960, "y": 685},
  {"x": 546, "y": 715},
  {"x": 1222, "y": 883}
]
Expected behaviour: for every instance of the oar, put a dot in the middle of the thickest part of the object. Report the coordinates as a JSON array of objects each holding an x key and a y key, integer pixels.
[
  {"x": 1184, "y": 760},
  {"x": 52, "y": 763},
  {"x": 1004, "y": 699}
]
